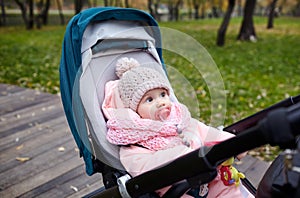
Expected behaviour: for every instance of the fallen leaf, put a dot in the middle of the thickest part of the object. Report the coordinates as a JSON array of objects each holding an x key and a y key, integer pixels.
[
  {"x": 74, "y": 188},
  {"x": 22, "y": 159},
  {"x": 61, "y": 149},
  {"x": 20, "y": 147},
  {"x": 238, "y": 162}
]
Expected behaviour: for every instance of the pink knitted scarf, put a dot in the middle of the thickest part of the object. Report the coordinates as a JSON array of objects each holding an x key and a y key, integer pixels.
[{"x": 125, "y": 127}]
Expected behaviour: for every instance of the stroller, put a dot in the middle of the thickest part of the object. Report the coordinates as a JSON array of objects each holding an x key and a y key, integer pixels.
[{"x": 94, "y": 40}]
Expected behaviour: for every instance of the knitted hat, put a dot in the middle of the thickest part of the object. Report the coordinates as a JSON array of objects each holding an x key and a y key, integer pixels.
[{"x": 136, "y": 80}]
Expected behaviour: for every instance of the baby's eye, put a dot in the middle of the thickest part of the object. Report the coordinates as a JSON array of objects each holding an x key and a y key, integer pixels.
[
  {"x": 149, "y": 99},
  {"x": 163, "y": 94}
]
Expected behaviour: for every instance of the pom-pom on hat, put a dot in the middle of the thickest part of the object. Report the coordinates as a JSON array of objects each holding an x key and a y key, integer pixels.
[{"x": 136, "y": 80}]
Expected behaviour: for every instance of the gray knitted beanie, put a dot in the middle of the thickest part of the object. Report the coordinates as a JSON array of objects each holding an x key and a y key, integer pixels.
[{"x": 136, "y": 80}]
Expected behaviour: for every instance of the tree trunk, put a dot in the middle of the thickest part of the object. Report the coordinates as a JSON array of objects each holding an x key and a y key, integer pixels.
[
  {"x": 203, "y": 10},
  {"x": 154, "y": 12},
  {"x": 3, "y": 16},
  {"x": 196, "y": 8},
  {"x": 173, "y": 7},
  {"x": 45, "y": 11},
  {"x": 127, "y": 4},
  {"x": 156, "y": 6},
  {"x": 60, "y": 10},
  {"x": 150, "y": 7},
  {"x": 31, "y": 15},
  {"x": 271, "y": 14},
  {"x": 42, "y": 16},
  {"x": 223, "y": 28},
  {"x": 176, "y": 12},
  {"x": 105, "y": 3},
  {"x": 190, "y": 9},
  {"x": 247, "y": 31},
  {"x": 171, "y": 11},
  {"x": 23, "y": 11},
  {"x": 78, "y": 6}
]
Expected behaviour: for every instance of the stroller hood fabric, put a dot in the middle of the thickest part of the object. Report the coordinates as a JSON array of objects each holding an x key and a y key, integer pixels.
[{"x": 71, "y": 61}]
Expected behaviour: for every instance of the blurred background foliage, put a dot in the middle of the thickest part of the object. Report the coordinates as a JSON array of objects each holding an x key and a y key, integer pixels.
[{"x": 42, "y": 12}]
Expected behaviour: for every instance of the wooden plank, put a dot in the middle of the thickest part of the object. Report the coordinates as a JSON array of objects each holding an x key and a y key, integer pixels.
[
  {"x": 17, "y": 137},
  {"x": 21, "y": 99},
  {"x": 73, "y": 186},
  {"x": 6, "y": 89},
  {"x": 53, "y": 184},
  {"x": 86, "y": 191},
  {"x": 37, "y": 179},
  {"x": 256, "y": 172},
  {"x": 35, "y": 125},
  {"x": 70, "y": 183},
  {"x": 42, "y": 162},
  {"x": 20, "y": 119},
  {"x": 253, "y": 168},
  {"x": 47, "y": 140}
]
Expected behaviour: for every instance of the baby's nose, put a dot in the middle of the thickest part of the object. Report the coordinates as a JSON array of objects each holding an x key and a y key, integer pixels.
[{"x": 161, "y": 103}]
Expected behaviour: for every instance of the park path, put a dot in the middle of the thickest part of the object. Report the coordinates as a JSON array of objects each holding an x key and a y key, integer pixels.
[{"x": 39, "y": 157}]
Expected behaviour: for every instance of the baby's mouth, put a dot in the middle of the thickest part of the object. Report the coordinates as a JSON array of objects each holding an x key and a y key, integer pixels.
[{"x": 163, "y": 113}]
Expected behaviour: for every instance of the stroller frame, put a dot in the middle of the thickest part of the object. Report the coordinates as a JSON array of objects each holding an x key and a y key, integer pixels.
[{"x": 70, "y": 73}]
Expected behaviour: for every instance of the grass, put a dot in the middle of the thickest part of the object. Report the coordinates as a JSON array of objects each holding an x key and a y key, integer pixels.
[
  {"x": 255, "y": 75},
  {"x": 31, "y": 58}
]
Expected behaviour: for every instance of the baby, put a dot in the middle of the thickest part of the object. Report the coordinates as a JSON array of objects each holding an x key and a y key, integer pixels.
[{"x": 152, "y": 130}]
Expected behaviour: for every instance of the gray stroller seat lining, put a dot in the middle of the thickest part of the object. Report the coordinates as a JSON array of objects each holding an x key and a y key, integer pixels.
[{"x": 97, "y": 70}]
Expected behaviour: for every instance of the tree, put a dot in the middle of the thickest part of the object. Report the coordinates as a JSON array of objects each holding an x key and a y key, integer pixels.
[
  {"x": 271, "y": 14},
  {"x": 3, "y": 15},
  {"x": 28, "y": 19},
  {"x": 27, "y": 11},
  {"x": 105, "y": 3},
  {"x": 127, "y": 5},
  {"x": 196, "y": 4},
  {"x": 61, "y": 15},
  {"x": 174, "y": 9},
  {"x": 42, "y": 17},
  {"x": 78, "y": 6},
  {"x": 153, "y": 8},
  {"x": 225, "y": 23},
  {"x": 190, "y": 8},
  {"x": 247, "y": 31}
]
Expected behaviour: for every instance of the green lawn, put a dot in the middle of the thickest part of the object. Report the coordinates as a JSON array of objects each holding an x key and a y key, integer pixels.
[
  {"x": 255, "y": 75},
  {"x": 31, "y": 58}
]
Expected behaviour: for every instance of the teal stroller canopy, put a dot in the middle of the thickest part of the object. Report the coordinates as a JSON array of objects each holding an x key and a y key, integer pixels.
[{"x": 71, "y": 62}]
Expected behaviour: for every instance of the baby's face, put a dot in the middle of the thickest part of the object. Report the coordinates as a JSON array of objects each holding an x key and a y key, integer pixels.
[{"x": 155, "y": 105}]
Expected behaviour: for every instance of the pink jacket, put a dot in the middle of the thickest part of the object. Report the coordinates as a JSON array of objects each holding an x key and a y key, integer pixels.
[{"x": 137, "y": 160}]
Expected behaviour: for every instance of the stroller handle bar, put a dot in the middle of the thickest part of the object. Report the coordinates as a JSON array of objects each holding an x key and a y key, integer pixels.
[{"x": 280, "y": 127}]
